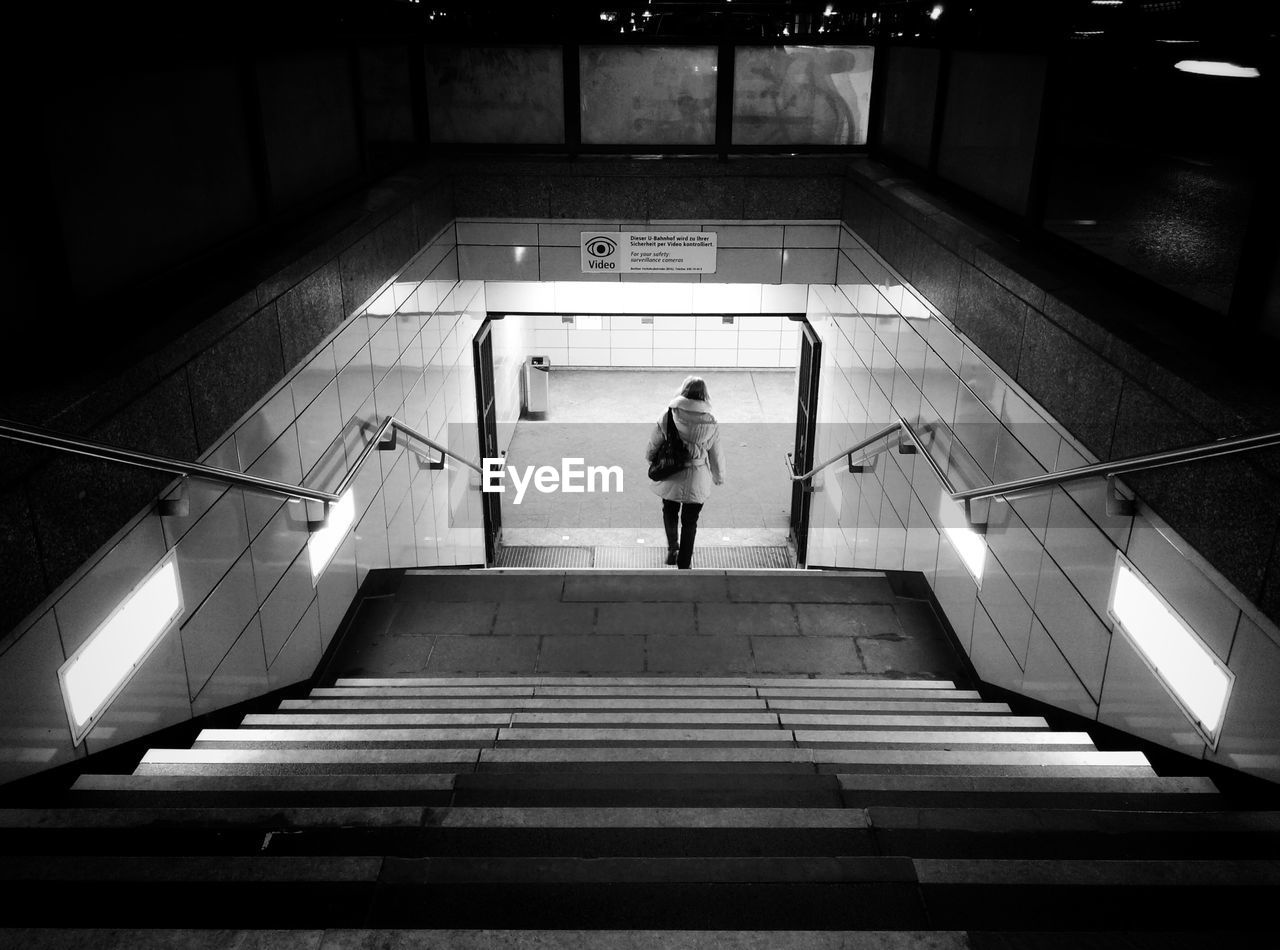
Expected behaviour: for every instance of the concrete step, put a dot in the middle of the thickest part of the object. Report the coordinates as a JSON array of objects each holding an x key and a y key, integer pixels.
[
  {"x": 568, "y": 788},
  {"x": 276, "y": 790},
  {"x": 808, "y": 721},
  {"x": 532, "y": 704},
  {"x": 620, "y": 737},
  {"x": 469, "y": 720},
  {"x": 943, "y": 738},
  {"x": 414, "y": 831},
  {"x": 303, "y": 761},
  {"x": 327, "y": 738},
  {"x": 841, "y": 682},
  {"x": 1078, "y": 833},
  {"x": 890, "y": 707},
  {"x": 653, "y": 720},
  {"x": 975, "y": 762},
  {"x": 503, "y": 719},
  {"x": 1087, "y": 895},
  {"x": 1003, "y": 762},
  {"x": 127, "y": 939},
  {"x": 948, "y": 695},
  {"x": 643, "y": 692},
  {"x": 1080, "y": 791}
]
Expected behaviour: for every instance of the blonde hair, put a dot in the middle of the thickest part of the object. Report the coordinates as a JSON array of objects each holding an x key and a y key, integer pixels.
[{"x": 695, "y": 387}]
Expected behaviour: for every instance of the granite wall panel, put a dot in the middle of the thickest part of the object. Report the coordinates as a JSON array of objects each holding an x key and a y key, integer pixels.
[
  {"x": 1056, "y": 369},
  {"x": 309, "y": 311},
  {"x": 229, "y": 377}
]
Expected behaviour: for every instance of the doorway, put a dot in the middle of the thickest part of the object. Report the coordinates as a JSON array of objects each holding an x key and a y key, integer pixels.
[{"x": 604, "y": 414}]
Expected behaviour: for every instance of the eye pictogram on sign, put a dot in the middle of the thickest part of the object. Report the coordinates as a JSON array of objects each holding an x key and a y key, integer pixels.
[{"x": 601, "y": 247}]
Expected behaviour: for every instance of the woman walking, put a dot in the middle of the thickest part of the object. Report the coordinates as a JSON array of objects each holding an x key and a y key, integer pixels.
[{"x": 684, "y": 493}]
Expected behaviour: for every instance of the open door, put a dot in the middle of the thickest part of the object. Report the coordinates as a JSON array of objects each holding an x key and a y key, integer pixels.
[
  {"x": 806, "y": 428},
  {"x": 486, "y": 408}
]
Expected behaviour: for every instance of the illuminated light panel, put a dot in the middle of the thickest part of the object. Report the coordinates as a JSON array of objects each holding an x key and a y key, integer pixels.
[
  {"x": 104, "y": 663},
  {"x": 936, "y": 11},
  {"x": 323, "y": 544},
  {"x": 1197, "y": 679},
  {"x": 971, "y": 548},
  {"x": 1209, "y": 67}
]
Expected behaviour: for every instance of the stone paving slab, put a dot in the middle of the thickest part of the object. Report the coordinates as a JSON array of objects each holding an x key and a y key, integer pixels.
[
  {"x": 489, "y": 654},
  {"x": 692, "y": 654}
]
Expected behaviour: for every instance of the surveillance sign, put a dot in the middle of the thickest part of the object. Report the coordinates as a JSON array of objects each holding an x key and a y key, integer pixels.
[{"x": 648, "y": 252}]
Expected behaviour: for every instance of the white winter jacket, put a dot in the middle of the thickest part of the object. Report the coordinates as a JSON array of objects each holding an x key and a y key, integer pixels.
[{"x": 701, "y": 434}]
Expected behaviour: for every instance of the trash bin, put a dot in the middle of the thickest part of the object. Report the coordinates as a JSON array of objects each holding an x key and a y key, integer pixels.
[{"x": 537, "y": 384}]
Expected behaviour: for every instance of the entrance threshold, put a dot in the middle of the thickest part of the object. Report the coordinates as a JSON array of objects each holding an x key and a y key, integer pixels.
[{"x": 621, "y": 557}]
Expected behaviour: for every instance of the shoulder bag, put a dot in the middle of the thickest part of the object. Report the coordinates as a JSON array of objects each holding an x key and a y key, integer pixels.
[{"x": 671, "y": 456}]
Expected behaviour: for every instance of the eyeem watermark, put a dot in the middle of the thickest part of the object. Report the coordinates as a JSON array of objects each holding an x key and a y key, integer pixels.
[{"x": 573, "y": 476}]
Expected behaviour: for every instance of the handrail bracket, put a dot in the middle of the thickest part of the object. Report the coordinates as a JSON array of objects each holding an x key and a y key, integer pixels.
[
  {"x": 977, "y": 527},
  {"x": 1118, "y": 506},
  {"x": 315, "y": 523},
  {"x": 177, "y": 504}
]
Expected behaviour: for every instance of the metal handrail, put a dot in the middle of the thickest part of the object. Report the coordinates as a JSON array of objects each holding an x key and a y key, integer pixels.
[
  {"x": 1001, "y": 490},
  {"x": 384, "y": 439}
]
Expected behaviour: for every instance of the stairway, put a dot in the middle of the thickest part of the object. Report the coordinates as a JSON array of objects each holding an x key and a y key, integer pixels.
[{"x": 567, "y": 810}]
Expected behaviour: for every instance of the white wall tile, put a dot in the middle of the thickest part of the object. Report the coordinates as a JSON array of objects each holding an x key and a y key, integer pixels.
[
  {"x": 1091, "y": 495},
  {"x": 281, "y": 462},
  {"x": 630, "y": 339},
  {"x": 1006, "y": 607},
  {"x": 498, "y": 263},
  {"x": 519, "y": 296},
  {"x": 1082, "y": 636},
  {"x": 956, "y": 592},
  {"x": 749, "y": 235},
  {"x": 783, "y": 298},
  {"x": 674, "y": 356},
  {"x": 276, "y": 546},
  {"x": 208, "y": 550},
  {"x": 242, "y": 672},
  {"x": 496, "y": 232},
  {"x": 208, "y": 632},
  {"x": 1050, "y": 679},
  {"x": 313, "y": 377},
  {"x": 336, "y": 588},
  {"x": 990, "y": 654},
  {"x": 355, "y": 382},
  {"x": 630, "y": 357},
  {"x": 809, "y": 265},
  {"x": 747, "y": 265},
  {"x": 589, "y": 356},
  {"x": 570, "y": 235},
  {"x": 811, "y": 235},
  {"x": 1085, "y": 555},
  {"x": 657, "y": 296},
  {"x": 285, "y": 604},
  {"x": 301, "y": 653},
  {"x": 565, "y": 263},
  {"x": 318, "y": 427},
  {"x": 726, "y": 298}
]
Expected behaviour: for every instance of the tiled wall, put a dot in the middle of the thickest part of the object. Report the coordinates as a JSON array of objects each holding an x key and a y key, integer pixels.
[
  {"x": 1036, "y": 620},
  {"x": 672, "y": 340},
  {"x": 253, "y": 619},
  {"x": 756, "y": 252}
]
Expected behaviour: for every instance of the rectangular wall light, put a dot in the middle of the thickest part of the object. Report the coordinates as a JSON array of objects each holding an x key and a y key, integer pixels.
[
  {"x": 323, "y": 544},
  {"x": 972, "y": 550},
  {"x": 1197, "y": 680},
  {"x": 97, "y": 672}
]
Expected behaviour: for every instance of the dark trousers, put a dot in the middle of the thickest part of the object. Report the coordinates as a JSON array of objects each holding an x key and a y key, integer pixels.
[{"x": 683, "y": 517}]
